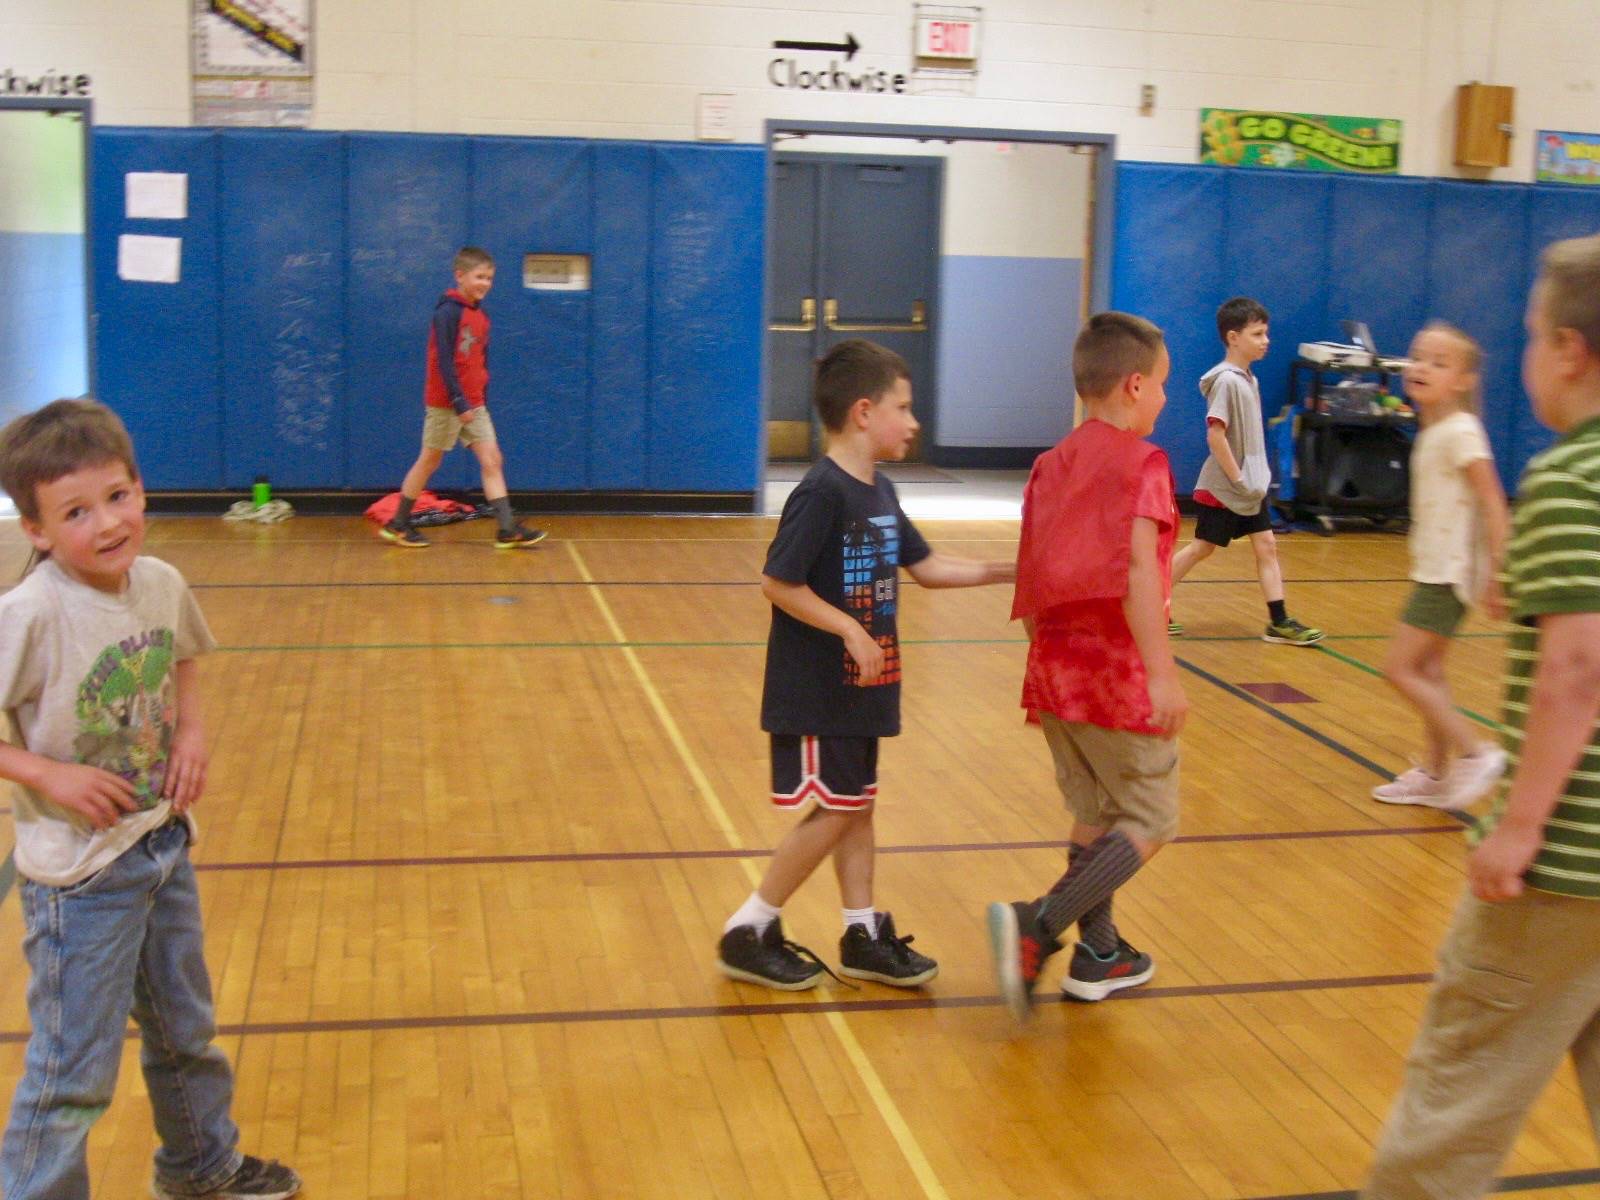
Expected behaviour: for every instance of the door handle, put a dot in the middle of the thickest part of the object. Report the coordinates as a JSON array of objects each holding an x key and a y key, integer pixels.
[
  {"x": 917, "y": 324},
  {"x": 806, "y": 323}
]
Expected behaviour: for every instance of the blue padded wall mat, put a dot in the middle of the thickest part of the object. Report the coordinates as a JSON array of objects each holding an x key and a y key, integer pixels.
[
  {"x": 1478, "y": 279},
  {"x": 407, "y": 216},
  {"x": 1393, "y": 252},
  {"x": 1387, "y": 290},
  {"x": 283, "y": 312},
  {"x": 1167, "y": 266},
  {"x": 619, "y": 428},
  {"x": 534, "y": 196},
  {"x": 706, "y": 284},
  {"x": 158, "y": 350}
]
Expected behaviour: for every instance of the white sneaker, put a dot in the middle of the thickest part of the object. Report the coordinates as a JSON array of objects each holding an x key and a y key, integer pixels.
[
  {"x": 1415, "y": 786},
  {"x": 1472, "y": 776}
]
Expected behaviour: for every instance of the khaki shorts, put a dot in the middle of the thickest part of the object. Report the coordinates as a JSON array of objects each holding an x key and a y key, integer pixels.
[
  {"x": 1114, "y": 778},
  {"x": 442, "y": 428}
]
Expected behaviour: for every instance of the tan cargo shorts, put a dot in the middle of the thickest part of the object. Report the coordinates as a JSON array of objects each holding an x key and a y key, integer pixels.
[
  {"x": 442, "y": 428},
  {"x": 1114, "y": 778}
]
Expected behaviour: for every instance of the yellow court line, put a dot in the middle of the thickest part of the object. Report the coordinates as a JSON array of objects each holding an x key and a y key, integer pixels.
[
  {"x": 868, "y": 1074},
  {"x": 703, "y": 785}
]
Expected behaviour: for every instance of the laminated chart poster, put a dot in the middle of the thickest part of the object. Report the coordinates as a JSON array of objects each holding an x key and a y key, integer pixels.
[{"x": 252, "y": 62}]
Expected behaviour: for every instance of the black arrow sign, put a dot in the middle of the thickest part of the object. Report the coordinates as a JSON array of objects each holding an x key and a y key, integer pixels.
[{"x": 848, "y": 47}]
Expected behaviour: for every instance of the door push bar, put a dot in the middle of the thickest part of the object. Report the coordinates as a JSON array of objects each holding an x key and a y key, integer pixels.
[
  {"x": 917, "y": 324},
  {"x": 806, "y": 323}
]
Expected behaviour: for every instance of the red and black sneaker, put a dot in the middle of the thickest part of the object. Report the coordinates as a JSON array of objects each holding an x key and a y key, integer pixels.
[
  {"x": 1020, "y": 945},
  {"x": 1091, "y": 977}
]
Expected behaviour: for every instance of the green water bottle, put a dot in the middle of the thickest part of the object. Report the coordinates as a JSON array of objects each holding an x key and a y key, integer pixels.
[{"x": 261, "y": 492}]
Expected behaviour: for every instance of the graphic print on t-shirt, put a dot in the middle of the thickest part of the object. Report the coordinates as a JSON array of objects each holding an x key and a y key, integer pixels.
[
  {"x": 871, "y": 583},
  {"x": 126, "y": 709}
]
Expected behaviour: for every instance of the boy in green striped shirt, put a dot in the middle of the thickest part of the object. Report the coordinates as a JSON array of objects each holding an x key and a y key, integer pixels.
[{"x": 1518, "y": 985}]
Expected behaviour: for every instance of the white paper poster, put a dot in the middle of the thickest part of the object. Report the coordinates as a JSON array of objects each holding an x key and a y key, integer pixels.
[
  {"x": 713, "y": 120},
  {"x": 157, "y": 195},
  {"x": 145, "y": 259}
]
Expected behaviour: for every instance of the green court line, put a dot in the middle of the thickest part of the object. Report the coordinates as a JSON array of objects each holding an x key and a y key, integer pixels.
[
  {"x": 1371, "y": 670},
  {"x": 8, "y": 875},
  {"x": 615, "y": 645}
]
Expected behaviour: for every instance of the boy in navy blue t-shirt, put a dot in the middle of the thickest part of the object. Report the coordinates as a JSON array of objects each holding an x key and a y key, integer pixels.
[{"x": 833, "y": 671}]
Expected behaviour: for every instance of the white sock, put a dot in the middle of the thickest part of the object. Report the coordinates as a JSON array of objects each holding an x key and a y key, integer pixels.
[
  {"x": 861, "y": 916},
  {"x": 754, "y": 911}
]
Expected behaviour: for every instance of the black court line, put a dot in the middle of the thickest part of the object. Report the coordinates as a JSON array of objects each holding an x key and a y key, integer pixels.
[
  {"x": 1279, "y": 714},
  {"x": 1511, "y": 1183},
  {"x": 609, "y": 856},
  {"x": 1316, "y": 735},
  {"x": 771, "y": 1008}
]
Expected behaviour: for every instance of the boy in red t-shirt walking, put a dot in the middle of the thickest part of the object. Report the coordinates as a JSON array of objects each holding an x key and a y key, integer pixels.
[
  {"x": 1093, "y": 581},
  {"x": 455, "y": 399}
]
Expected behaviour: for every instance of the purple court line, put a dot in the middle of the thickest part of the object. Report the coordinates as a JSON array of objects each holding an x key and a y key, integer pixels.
[
  {"x": 478, "y": 860},
  {"x": 770, "y": 1009}
]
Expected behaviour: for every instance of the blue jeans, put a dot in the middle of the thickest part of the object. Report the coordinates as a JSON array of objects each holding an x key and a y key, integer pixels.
[{"x": 124, "y": 941}]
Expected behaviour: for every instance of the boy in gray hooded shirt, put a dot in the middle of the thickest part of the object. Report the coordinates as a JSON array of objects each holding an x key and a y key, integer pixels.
[{"x": 1232, "y": 489}]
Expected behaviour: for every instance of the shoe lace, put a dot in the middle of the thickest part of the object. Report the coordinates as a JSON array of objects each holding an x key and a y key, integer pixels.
[{"x": 806, "y": 952}]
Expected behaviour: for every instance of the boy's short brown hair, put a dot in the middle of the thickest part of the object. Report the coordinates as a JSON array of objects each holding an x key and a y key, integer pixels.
[
  {"x": 60, "y": 438},
  {"x": 1570, "y": 271},
  {"x": 1112, "y": 346},
  {"x": 849, "y": 371},
  {"x": 1235, "y": 314},
  {"x": 469, "y": 257}
]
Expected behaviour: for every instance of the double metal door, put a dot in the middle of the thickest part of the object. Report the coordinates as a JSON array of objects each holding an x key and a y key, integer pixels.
[{"x": 854, "y": 254}]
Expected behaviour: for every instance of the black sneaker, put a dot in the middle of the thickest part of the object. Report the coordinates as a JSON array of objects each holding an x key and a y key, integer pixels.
[
  {"x": 885, "y": 958},
  {"x": 256, "y": 1179},
  {"x": 767, "y": 958},
  {"x": 1020, "y": 946},
  {"x": 402, "y": 535},
  {"x": 1091, "y": 977},
  {"x": 518, "y": 537}
]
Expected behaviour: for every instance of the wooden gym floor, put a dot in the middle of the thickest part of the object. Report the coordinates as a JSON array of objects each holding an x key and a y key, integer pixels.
[{"x": 475, "y": 821}]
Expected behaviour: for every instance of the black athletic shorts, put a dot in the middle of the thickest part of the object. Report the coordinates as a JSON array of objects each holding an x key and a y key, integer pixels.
[
  {"x": 836, "y": 772},
  {"x": 1219, "y": 526}
]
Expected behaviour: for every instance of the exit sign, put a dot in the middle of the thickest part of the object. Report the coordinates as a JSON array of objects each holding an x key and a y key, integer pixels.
[{"x": 946, "y": 40}]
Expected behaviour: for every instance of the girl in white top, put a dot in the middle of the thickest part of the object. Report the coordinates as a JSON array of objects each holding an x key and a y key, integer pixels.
[{"x": 1459, "y": 525}]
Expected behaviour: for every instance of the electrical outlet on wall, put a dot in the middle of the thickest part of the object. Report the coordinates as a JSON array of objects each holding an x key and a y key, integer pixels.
[{"x": 1147, "y": 99}]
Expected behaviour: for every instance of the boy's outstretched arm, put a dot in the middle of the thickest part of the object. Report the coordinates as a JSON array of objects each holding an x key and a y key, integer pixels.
[
  {"x": 1145, "y": 609},
  {"x": 803, "y": 604},
  {"x": 948, "y": 571},
  {"x": 1563, "y": 701}
]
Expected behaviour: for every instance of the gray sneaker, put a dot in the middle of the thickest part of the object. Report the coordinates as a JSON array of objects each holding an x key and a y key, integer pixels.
[{"x": 256, "y": 1179}]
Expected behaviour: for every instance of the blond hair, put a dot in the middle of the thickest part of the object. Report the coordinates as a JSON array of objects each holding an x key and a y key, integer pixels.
[
  {"x": 1471, "y": 351},
  {"x": 1570, "y": 270}
]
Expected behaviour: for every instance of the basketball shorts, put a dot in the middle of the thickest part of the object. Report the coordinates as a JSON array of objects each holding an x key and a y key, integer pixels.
[
  {"x": 1219, "y": 526},
  {"x": 836, "y": 772}
]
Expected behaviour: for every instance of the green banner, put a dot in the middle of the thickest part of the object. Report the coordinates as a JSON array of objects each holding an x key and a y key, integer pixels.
[{"x": 1235, "y": 137}]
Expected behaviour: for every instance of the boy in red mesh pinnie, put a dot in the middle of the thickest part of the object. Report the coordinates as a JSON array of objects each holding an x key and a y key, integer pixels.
[{"x": 1093, "y": 585}]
